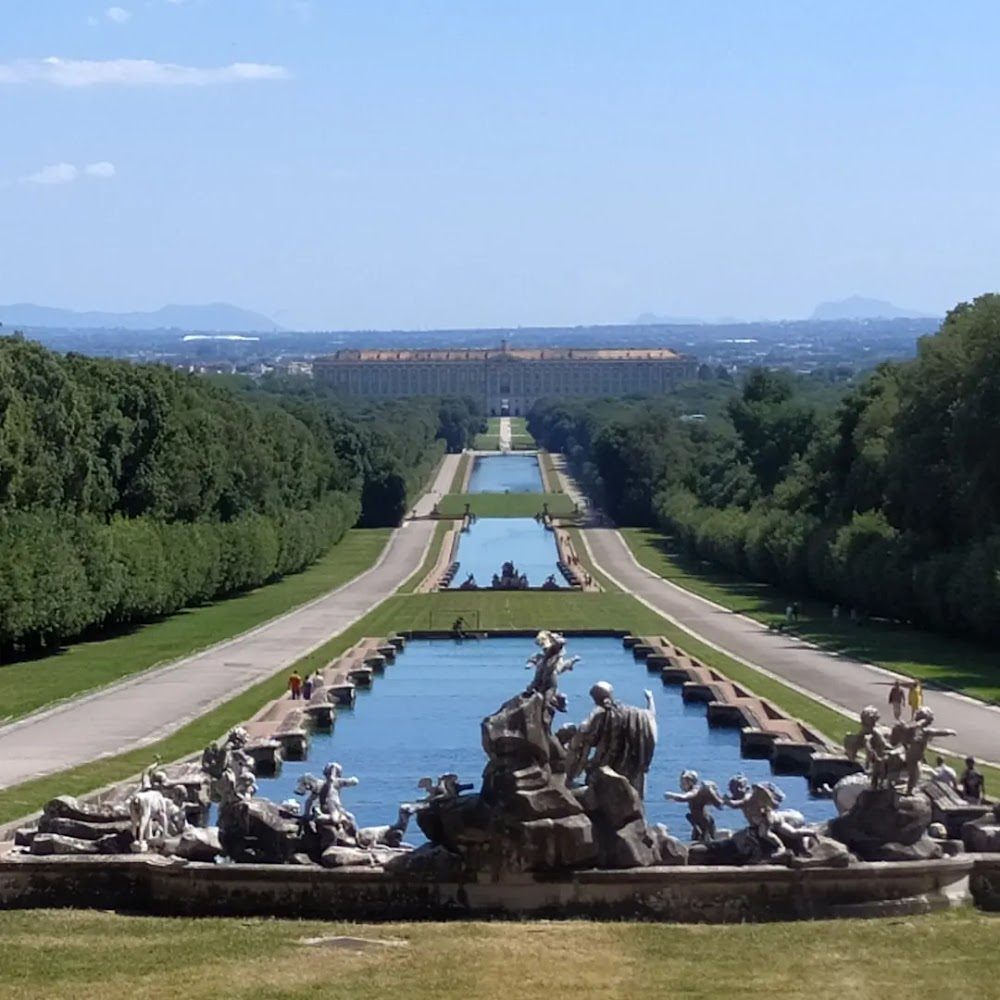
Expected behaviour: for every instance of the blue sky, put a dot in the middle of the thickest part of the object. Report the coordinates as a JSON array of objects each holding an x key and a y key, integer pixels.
[{"x": 443, "y": 163}]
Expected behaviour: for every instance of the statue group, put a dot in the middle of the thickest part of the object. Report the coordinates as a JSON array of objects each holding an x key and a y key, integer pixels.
[
  {"x": 551, "y": 799},
  {"x": 509, "y": 578}
]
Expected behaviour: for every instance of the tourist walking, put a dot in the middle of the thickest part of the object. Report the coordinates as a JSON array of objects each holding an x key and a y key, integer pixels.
[
  {"x": 307, "y": 687},
  {"x": 295, "y": 685},
  {"x": 973, "y": 784},
  {"x": 916, "y": 698},
  {"x": 896, "y": 699}
]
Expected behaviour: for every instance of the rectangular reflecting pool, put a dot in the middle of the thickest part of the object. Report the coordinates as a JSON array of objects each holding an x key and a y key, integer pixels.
[
  {"x": 422, "y": 717},
  {"x": 492, "y": 541},
  {"x": 505, "y": 474}
]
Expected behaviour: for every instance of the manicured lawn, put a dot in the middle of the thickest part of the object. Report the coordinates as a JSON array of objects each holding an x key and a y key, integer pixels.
[
  {"x": 430, "y": 559},
  {"x": 489, "y": 440},
  {"x": 550, "y": 479},
  {"x": 28, "y": 686},
  {"x": 965, "y": 666},
  {"x": 458, "y": 483},
  {"x": 505, "y": 504},
  {"x": 519, "y": 436},
  {"x": 70, "y": 955}
]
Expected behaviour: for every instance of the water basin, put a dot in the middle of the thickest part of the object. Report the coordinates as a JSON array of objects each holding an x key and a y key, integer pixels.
[
  {"x": 505, "y": 473},
  {"x": 423, "y": 718},
  {"x": 492, "y": 541}
]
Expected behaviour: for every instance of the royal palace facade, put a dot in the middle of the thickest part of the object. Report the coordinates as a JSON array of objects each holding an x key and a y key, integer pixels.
[{"x": 507, "y": 380}]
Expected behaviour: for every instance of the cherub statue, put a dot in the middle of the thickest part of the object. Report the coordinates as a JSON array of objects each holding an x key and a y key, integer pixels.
[
  {"x": 759, "y": 804},
  {"x": 329, "y": 796},
  {"x": 914, "y": 738},
  {"x": 699, "y": 796},
  {"x": 549, "y": 663},
  {"x": 239, "y": 760}
]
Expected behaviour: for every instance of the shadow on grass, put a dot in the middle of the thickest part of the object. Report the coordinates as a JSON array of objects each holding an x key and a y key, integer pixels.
[{"x": 940, "y": 660}]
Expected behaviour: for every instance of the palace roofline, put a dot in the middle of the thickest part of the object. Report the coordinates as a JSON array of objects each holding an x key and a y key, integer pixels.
[{"x": 515, "y": 354}]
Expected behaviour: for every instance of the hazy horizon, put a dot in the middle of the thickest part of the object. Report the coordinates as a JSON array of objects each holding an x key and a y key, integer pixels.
[{"x": 404, "y": 167}]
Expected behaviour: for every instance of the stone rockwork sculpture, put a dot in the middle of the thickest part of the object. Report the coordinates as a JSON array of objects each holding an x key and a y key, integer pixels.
[
  {"x": 699, "y": 796},
  {"x": 885, "y": 816},
  {"x": 526, "y": 816},
  {"x": 614, "y": 735}
]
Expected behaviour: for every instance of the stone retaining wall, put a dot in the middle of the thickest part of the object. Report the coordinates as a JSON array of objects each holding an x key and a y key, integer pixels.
[{"x": 690, "y": 895}]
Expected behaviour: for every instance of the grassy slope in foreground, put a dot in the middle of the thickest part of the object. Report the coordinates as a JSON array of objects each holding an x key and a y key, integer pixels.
[
  {"x": 86, "y": 955},
  {"x": 28, "y": 686},
  {"x": 967, "y": 666},
  {"x": 504, "y": 504}
]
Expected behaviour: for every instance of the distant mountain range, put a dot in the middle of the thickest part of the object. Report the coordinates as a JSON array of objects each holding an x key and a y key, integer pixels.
[
  {"x": 652, "y": 319},
  {"x": 857, "y": 307},
  {"x": 218, "y": 317}
]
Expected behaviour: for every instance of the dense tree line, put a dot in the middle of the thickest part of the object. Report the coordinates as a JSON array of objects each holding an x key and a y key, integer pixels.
[
  {"x": 888, "y": 503},
  {"x": 129, "y": 491}
]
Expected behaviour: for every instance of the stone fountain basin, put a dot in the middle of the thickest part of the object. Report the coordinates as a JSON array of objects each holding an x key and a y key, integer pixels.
[{"x": 692, "y": 894}]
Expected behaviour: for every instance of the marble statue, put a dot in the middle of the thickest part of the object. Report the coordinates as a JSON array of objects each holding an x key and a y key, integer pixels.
[
  {"x": 323, "y": 800},
  {"x": 882, "y": 762},
  {"x": 154, "y": 812},
  {"x": 759, "y": 804},
  {"x": 390, "y": 835},
  {"x": 699, "y": 796},
  {"x": 914, "y": 738},
  {"x": 618, "y": 736},
  {"x": 549, "y": 663}
]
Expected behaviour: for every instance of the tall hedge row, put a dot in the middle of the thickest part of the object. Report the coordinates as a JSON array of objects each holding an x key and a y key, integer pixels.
[{"x": 128, "y": 492}]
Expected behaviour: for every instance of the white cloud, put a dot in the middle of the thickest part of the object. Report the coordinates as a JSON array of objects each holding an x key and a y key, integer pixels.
[
  {"x": 102, "y": 170},
  {"x": 131, "y": 73},
  {"x": 67, "y": 173},
  {"x": 118, "y": 14},
  {"x": 56, "y": 173}
]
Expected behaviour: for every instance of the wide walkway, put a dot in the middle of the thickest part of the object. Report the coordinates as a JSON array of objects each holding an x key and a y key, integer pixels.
[
  {"x": 845, "y": 683},
  {"x": 505, "y": 434},
  {"x": 148, "y": 707}
]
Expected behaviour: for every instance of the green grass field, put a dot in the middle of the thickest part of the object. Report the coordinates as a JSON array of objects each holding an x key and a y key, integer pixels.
[
  {"x": 28, "y": 686},
  {"x": 73, "y": 955},
  {"x": 458, "y": 483},
  {"x": 550, "y": 478},
  {"x": 488, "y": 440},
  {"x": 505, "y": 504},
  {"x": 966, "y": 666}
]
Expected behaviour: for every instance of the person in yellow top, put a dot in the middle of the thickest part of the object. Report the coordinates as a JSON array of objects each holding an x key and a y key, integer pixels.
[{"x": 915, "y": 698}]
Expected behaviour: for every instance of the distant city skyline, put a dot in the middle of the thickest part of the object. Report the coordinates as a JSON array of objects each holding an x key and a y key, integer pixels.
[{"x": 392, "y": 165}]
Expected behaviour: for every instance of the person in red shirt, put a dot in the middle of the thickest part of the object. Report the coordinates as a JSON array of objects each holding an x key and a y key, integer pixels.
[{"x": 295, "y": 685}]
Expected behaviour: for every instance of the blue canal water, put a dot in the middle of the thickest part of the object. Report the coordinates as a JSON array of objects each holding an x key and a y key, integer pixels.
[
  {"x": 422, "y": 717},
  {"x": 492, "y": 541},
  {"x": 505, "y": 473}
]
